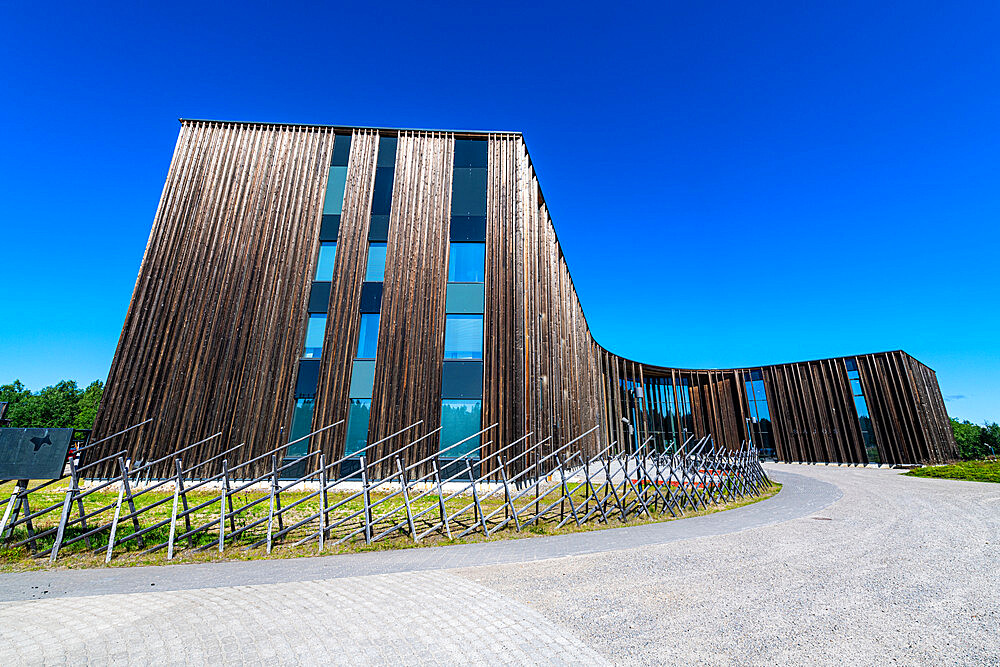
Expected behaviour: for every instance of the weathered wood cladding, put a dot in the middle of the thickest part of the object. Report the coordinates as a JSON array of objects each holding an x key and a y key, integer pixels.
[
  {"x": 217, "y": 321},
  {"x": 212, "y": 334},
  {"x": 343, "y": 317},
  {"x": 411, "y": 333},
  {"x": 812, "y": 411}
]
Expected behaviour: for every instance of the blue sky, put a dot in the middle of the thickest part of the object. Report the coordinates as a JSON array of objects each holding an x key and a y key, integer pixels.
[{"x": 732, "y": 183}]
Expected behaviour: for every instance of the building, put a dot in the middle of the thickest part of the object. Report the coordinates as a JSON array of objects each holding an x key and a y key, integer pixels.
[{"x": 297, "y": 275}]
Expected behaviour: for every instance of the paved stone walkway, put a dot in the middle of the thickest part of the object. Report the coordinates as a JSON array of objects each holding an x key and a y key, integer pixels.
[{"x": 844, "y": 566}]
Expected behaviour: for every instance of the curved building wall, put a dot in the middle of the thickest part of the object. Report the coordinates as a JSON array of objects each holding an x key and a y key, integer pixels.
[{"x": 296, "y": 276}]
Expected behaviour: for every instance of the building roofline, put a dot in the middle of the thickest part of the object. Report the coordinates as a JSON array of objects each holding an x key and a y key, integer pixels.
[{"x": 475, "y": 133}]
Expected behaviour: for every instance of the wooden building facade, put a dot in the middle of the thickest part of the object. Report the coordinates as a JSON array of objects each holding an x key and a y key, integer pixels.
[{"x": 299, "y": 275}]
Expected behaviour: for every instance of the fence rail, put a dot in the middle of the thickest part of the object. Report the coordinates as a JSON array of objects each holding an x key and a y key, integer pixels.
[{"x": 521, "y": 485}]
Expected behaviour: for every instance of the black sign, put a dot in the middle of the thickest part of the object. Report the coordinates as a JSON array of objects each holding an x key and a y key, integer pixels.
[{"x": 33, "y": 453}]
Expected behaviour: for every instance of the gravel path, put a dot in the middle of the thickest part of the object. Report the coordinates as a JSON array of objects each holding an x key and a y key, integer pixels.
[
  {"x": 844, "y": 566},
  {"x": 901, "y": 570}
]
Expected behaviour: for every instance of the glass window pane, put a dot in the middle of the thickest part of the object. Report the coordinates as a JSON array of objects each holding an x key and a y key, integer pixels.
[
  {"x": 302, "y": 419},
  {"x": 375, "y": 272},
  {"x": 467, "y": 263},
  {"x": 856, "y": 387},
  {"x": 368, "y": 336},
  {"x": 851, "y": 364},
  {"x": 357, "y": 425},
  {"x": 465, "y": 298},
  {"x": 463, "y": 337},
  {"x": 468, "y": 195},
  {"x": 334, "y": 202},
  {"x": 386, "y": 152},
  {"x": 460, "y": 419},
  {"x": 470, "y": 153},
  {"x": 315, "y": 331},
  {"x": 758, "y": 390},
  {"x": 324, "y": 264},
  {"x": 362, "y": 379},
  {"x": 382, "y": 194},
  {"x": 862, "y": 408},
  {"x": 341, "y": 150}
]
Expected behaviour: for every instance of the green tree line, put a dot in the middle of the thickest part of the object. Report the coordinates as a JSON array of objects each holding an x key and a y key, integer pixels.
[
  {"x": 63, "y": 405},
  {"x": 975, "y": 441}
]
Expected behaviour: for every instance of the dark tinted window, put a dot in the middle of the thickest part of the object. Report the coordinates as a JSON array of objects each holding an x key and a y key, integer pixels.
[
  {"x": 386, "y": 152},
  {"x": 341, "y": 150},
  {"x": 319, "y": 297},
  {"x": 462, "y": 379},
  {"x": 468, "y": 228},
  {"x": 470, "y": 153},
  {"x": 371, "y": 297},
  {"x": 330, "y": 228},
  {"x": 382, "y": 196},
  {"x": 468, "y": 194},
  {"x": 305, "y": 384},
  {"x": 378, "y": 228}
]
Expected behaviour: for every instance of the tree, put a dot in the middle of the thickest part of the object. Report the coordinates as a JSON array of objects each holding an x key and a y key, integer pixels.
[
  {"x": 63, "y": 405},
  {"x": 87, "y": 406},
  {"x": 975, "y": 441}
]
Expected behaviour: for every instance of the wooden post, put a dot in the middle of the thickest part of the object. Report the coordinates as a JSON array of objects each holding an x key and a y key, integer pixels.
[
  {"x": 184, "y": 502},
  {"x": 366, "y": 495},
  {"x": 114, "y": 519},
  {"x": 229, "y": 495},
  {"x": 173, "y": 516},
  {"x": 270, "y": 513},
  {"x": 128, "y": 498},
  {"x": 406, "y": 498},
  {"x": 322, "y": 501},
  {"x": 64, "y": 515},
  {"x": 14, "y": 502},
  {"x": 440, "y": 491},
  {"x": 475, "y": 498},
  {"x": 508, "y": 503},
  {"x": 222, "y": 506},
  {"x": 75, "y": 482}
]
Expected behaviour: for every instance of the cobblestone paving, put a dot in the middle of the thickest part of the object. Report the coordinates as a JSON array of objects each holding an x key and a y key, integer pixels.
[{"x": 409, "y": 618}]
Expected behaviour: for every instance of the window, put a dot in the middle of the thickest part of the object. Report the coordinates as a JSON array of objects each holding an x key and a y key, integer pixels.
[
  {"x": 315, "y": 331},
  {"x": 759, "y": 425},
  {"x": 333, "y": 204},
  {"x": 302, "y": 419},
  {"x": 468, "y": 195},
  {"x": 467, "y": 262},
  {"x": 375, "y": 272},
  {"x": 358, "y": 416},
  {"x": 459, "y": 420},
  {"x": 324, "y": 264},
  {"x": 368, "y": 336},
  {"x": 463, "y": 337},
  {"x": 864, "y": 419}
]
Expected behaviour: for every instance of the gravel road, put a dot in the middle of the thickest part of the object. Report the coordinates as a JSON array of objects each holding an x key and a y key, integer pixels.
[{"x": 900, "y": 570}]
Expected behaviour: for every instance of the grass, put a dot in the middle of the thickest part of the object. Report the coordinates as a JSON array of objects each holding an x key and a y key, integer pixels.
[
  {"x": 973, "y": 471},
  {"x": 78, "y": 555}
]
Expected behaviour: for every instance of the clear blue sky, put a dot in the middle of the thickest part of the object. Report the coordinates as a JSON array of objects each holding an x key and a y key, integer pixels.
[{"x": 733, "y": 183}]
